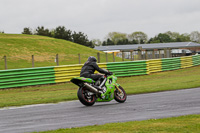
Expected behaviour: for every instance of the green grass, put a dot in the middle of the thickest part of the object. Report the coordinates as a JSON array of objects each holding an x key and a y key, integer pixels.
[
  {"x": 164, "y": 81},
  {"x": 36, "y": 95},
  {"x": 182, "y": 124},
  {"x": 168, "y": 80},
  {"x": 19, "y": 49}
]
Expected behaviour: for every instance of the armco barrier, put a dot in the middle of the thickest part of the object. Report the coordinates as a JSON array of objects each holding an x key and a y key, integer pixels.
[
  {"x": 196, "y": 60},
  {"x": 154, "y": 65},
  {"x": 41, "y": 75},
  {"x": 128, "y": 68},
  {"x": 56, "y": 74},
  {"x": 65, "y": 73},
  {"x": 186, "y": 62},
  {"x": 26, "y": 77},
  {"x": 171, "y": 64}
]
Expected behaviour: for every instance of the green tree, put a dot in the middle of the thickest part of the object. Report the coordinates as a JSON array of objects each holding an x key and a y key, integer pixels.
[
  {"x": 160, "y": 38},
  {"x": 164, "y": 38},
  {"x": 183, "y": 38},
  {"x": 27, "y": 30},
  {"x": 109, "y": 42},
  {"x": 123, "y": 42},
  {"x": 89, "y": 44},
  {"x": 170, "y": 37},
  {"x": 104, "y": 43},
  {"x": 62, "y": 33},
  {"x": 82, "y": 39},
  {"x": 154, "y": 40},
  {"x": 42, "y": 31},
  {"x": 133, "y": 42},
  {"x": 96, "y": 42},
  {"x": 195, "y": 36},
  {"x": 115, "y": 37},
  {"x": 173, "y": 35},
  {"x": 138, "y": 37}
]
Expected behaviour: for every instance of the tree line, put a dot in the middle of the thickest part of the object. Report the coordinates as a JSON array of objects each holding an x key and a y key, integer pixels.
[
  {"x": 61, "y": 32},
  {"x": 117, "y": 38},
  {"x": 114, "y": 38}
]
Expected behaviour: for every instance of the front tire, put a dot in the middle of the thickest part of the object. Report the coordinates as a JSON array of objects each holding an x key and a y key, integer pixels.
[
  {"x": 120, "y": 97},
  {"x": 84, "y": 98}
]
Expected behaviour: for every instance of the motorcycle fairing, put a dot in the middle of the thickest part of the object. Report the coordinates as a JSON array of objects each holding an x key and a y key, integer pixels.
[
  {"x": 80, "y": 80},
  {"x": 110, "y": 86}
]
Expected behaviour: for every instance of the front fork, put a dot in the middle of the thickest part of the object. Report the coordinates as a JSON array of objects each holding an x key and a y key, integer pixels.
[{"x": 117, "y": 86}]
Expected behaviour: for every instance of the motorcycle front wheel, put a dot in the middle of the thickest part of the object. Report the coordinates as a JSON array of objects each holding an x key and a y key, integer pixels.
[
  {"x": 85, "y": 98},
  {"x": 120, "y": 97}
]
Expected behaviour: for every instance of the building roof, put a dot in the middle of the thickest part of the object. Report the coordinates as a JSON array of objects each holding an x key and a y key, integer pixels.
[{"x": 151, "y": 46}]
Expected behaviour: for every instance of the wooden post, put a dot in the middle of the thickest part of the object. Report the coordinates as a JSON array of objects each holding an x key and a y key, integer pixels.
[
  {"x": 33, "y": 64},
  {"x": 98, "y": 56},
  {"x": 160, "y": 53},
  {"x": 113, "y": 57},
  {"x": 57, "y": 61},
  {"x": 153, "y": 54},
  {"x": 170, "y": 53},
  {"x": 5, "y": 60},
  {"x": 106, "y": 57},
  {"x": 146, "y": 54},
  {"x": 131, "y": 55},
  {"x": 139, "y": 53},
  {"x": 122, "y": 55},
  {"x": 79, "y": 58},
  {"x": 165, "y": 53}
]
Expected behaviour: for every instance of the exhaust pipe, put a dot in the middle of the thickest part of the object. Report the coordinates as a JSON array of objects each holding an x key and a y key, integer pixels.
[{"x": 91, "y": 88}]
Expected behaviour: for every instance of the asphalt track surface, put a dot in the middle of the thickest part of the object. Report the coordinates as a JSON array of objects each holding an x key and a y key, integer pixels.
[{"x": 74, "y": 114}]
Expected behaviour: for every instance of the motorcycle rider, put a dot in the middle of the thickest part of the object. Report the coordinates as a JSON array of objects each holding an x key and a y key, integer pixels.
[{"x": 89, "y": 68}]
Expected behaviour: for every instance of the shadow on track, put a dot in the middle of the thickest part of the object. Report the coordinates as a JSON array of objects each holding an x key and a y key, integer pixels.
[{"x": 103, "y": 104}]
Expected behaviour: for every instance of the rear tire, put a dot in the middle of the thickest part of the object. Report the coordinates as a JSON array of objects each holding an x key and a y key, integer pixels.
[
  {"x": 120, "y": 97},
  {"x": 84, "y": 98}
]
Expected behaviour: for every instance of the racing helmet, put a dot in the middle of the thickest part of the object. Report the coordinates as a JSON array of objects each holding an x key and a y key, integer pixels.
[{"x": 92, "y": 58}]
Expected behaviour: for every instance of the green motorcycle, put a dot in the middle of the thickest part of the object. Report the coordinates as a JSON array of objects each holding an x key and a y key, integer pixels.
[{"x": 88, "y": 92}]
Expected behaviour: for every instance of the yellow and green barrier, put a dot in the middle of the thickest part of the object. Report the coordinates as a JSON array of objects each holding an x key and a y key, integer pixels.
[
  {"x": 57, "y": 74},
  {"x": 128, "y": 68},
  {"x": 26, "y": 77},
  {"x": 196, "y": 60},
  {"x": 65, "y": 73},
  {"x": 154, "y": 65},
  {"x": 171, "y": 64}
]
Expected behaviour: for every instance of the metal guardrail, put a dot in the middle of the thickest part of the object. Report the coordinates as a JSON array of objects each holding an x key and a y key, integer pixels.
[
  {"x": 57, "y": 74},
  {"x": 26, "y": 77},
  {"x": 128, "y": 68}
]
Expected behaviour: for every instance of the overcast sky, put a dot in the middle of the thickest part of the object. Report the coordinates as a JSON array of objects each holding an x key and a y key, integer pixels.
[{"x": 97, "y": 18}]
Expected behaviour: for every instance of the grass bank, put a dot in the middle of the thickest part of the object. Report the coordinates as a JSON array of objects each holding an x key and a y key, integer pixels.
[
  {"x": 19, "y": 49},
  {"x": 164, "y": 81},
  {"x": 182, "y": 124}
]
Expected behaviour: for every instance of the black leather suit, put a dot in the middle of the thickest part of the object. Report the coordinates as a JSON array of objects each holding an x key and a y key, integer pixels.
[{"x": 89, "y": 68}]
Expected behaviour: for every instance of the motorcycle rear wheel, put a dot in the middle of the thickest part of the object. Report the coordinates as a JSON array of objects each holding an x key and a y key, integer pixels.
[
  {"x": 84, "y": 98},
  {"x": 120, "y": 97}
]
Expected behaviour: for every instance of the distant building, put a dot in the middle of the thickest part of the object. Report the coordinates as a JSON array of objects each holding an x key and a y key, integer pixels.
[{"x": 149, "y": 51}]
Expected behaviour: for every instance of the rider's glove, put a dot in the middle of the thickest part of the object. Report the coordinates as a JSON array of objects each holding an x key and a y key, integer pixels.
[{"x": 110, "y": 73}]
